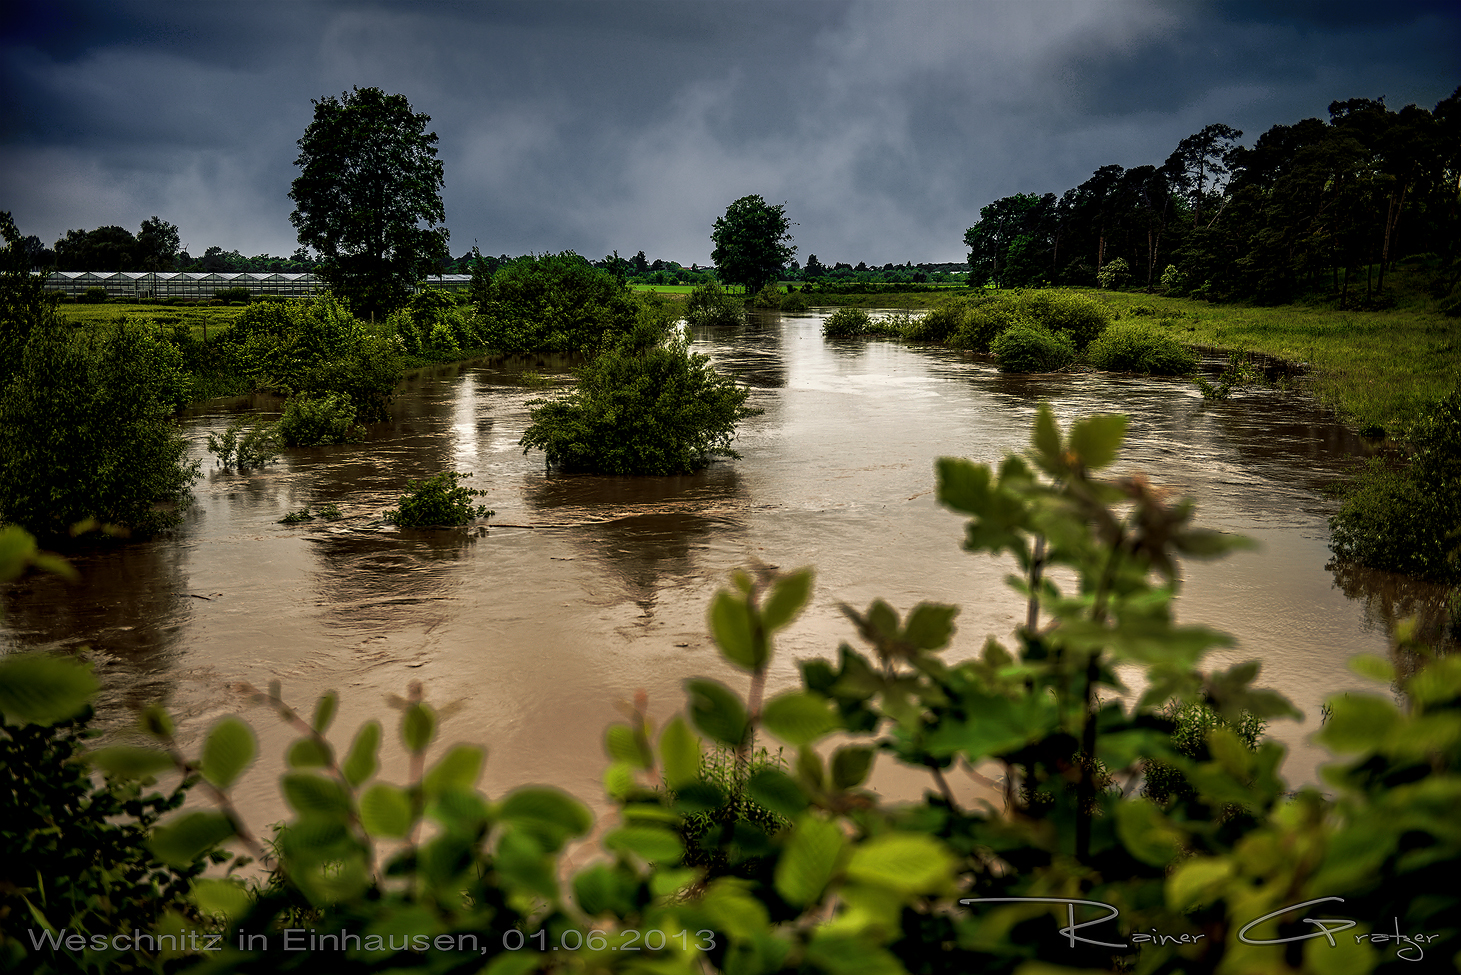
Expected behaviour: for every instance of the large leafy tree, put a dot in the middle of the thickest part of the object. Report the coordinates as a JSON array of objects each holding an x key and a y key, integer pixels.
[
  {"x": 369, "y": 178},
  {"x": 752, "y": 242}
]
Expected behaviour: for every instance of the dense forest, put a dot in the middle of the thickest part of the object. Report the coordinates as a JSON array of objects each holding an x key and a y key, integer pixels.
[{"x": 1312, "y": 207}]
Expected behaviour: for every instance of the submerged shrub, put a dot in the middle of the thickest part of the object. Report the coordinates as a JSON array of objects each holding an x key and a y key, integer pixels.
[
  {"x": 795, "y": 301},
  {"x": 846, "y": 323},
  {"x": 310, "y": 421},
  {"x": 1028, "y": 348},
  {"x": 245, "y": 444},
  {"x": 1141, "y": 347},
  {"x": 641, "y": 409},
  {"x": 1195, "y": 721},
  {"x": 768, "y": 297},
  {"x": 437, "y": 501},
  {"x": 708, "y": 304}
]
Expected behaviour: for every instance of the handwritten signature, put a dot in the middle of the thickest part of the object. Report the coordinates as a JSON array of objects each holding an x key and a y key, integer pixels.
[{"x": 1328, "y": 926}]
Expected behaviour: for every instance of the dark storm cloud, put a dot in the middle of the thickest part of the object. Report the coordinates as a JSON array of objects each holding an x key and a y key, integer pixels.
[{"x": 604, "y": 125}]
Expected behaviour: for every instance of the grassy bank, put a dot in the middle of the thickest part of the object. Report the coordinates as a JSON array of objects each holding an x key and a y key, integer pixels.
[
  {"x": 200, "y": 320},
  {"x": 1374, "y": 368}
]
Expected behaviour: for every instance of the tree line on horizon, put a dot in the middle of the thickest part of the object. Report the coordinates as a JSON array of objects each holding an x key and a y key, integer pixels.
[{"x": 1307, "y": 208}]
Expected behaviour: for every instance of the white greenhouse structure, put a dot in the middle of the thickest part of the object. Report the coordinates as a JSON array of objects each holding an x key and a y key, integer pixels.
[{"x": 195, "y": 284}]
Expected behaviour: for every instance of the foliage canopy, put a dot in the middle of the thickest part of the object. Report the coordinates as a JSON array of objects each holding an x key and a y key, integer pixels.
[
  {"x": 368, "y": 178},
  {"x": 752, "y": 243}
]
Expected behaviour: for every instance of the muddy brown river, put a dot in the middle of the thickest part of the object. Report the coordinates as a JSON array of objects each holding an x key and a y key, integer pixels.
[{"x": 586, "y": 589}]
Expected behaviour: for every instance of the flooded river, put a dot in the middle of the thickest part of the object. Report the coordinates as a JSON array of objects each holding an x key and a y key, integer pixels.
[{"x": 586, "y": 589}]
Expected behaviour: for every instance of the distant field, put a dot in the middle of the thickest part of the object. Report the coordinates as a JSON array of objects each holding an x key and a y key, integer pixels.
[{"x": 199, "y": 319}]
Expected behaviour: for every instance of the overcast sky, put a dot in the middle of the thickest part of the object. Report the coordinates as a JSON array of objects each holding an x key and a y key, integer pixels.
[{"x": 601, "y": 125}]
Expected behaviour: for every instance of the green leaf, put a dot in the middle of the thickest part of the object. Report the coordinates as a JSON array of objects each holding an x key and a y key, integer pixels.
[
  {"x": 385, "y": 810},
  {"x": 778, "y": 792},
  {"x": 459, "y": 769},
  {"x": 717, "y": 711},
  {"x": 38, "y": 688},
  {"x": 651, "y": 843},
  {"x": 909, "y": 863},
  {"x": 361, "y": 762},
  {"x": 325, "y": 709},
  {"x": 733, "y": 909},
  {"x": 418, "y": 727},
  {"x": 930, "y": 626},
  {"x": 845, "y": 954},
  {"x": 228, "y": 750},
  {"x": 619, "y": 779},
  {"x": 1197, "y": 881},
  {"x": 1373, "y": 667},
  {"x": 185, "y": 839},
  {"x": 730, "y": 624},
  {"x": 308, "y": 753},
  {"x": 1096, "y": 440},
  {"x": 809, "y": 768},
  {"x": 1358, "y": 723},
  {"x": 623, "y": 745},
  {"x": 224, "y": 896},
  {"x": 310, "y": 794},
  {"x": 963, "y": 485},
  {"x": 788, "y": 598},
  {"x": 851, "y": 765},
  {"x": 800, "y": 718},
  {"x": 549, "y": 814},
  {"x": 130, "y": 761},
  {"x": 1046, "y": 439},
  {"x": 809, "y": 860},
  {"x": 679, "y": 749},
  {"x": 155, "y": 721},
  {"x": 1148, "y": 834}
]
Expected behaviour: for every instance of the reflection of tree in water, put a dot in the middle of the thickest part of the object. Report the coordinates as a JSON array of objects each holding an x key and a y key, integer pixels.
[
  {"x": 645, "y": 530},
  {"x": 391, "y": 580},
  {"x": 1387, "y": 598},
  {"x": 750, "y": 353},
  {"x": 130, "y": 607}
]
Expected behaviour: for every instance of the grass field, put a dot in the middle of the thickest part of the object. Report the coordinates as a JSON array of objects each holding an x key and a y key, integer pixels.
[
  {"x": 1374, "y": 368},
  {"x": 201, "y": 320}
]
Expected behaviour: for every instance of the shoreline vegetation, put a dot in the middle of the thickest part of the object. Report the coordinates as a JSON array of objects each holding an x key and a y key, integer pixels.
[{"x": 1377, "y": 370}]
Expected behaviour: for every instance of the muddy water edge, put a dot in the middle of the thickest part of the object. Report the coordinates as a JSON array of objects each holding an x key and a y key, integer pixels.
[{"x": 528, "y": 633}]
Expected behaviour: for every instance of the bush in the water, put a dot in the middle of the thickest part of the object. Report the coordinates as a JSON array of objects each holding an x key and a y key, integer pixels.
[
  {"x": 975, "y": 322},
  {"x": 437, "y": 501},
  {"x": 846, "y": 323},
  {"x": 646, "y": 406},
  {"x": 1028, "y": 348},
  {"x": 795, "y": 301},
  {"x": 1406, "y": 517},
  {"x": 709, "y": 304},
  {"x": 245, "y": 444},
  {"x": 1143, "y": 347},
  {"x": 310, "y": 421},
  {"x": 769, "y": 296}
]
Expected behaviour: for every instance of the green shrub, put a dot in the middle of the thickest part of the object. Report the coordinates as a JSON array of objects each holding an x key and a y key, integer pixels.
[
  {"x": 1029, "y": 348},
  {"x": 1174, "y": 282},
  {"x": 1077, "y": 316},
  {"x": 795, "y": 301},
  {"x": 1140, "y": 347},
  {"x": 437, "y": 501},
  {"x": 313, "y": 346},
  {"x": 554, "y": 303},
  {"x": 726, "y": 839},
  {"x": 310, "y": 421},
  {"x": 651, "y": 407},
  {"x": 77, "y": 856},
  {"x": 708, "y": 304},
  {"x": 230, "y": 295},
  {"x": 848, "y": 322},
  {"x": 1406, "y": 517},
  {"x": 246, "y": 443},
  {"x": 92, "y": 296},
  {"x": 1195, "y": 721},
  {"x": 89, "y": 430},
  {"x": 769, "y": 296},
  {"x": 1114, "y": 274}
]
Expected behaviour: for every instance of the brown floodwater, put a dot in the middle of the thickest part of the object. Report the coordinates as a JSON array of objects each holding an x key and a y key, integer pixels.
[{"x": 587, "y": 589}]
